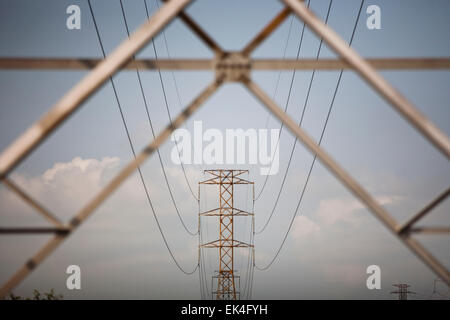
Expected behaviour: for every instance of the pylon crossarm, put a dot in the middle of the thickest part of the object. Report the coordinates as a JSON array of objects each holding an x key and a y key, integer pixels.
[
  {"x": 94, "y": 203},
  {"x": 367, "y": 72},
  {"x": 208, "y": 212},
  {"x": 215, "y": 174},
  {"x": 226, "y": 179},
  {"x": 347, "y": 180},
  {"x": 224, "y": 171},
  {"x": 242, "y": 181},
  {"x": 226, "y": 244},
  {"x": 217, "y": 212},
  {"x": 239, "y": 212},
  {"x": 213, "y": 180},
  {"x": 88, "y": 85}
]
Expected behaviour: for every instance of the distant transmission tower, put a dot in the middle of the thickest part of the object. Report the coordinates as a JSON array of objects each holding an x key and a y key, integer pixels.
[
  {"x": 226, "y": 276},
  {"x": 402, "y": 291}
]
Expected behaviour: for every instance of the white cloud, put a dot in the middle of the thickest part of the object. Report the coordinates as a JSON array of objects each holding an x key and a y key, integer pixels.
[
  {"x": 67, "y": 186},
  {"x": 63, "y": 188},
  {"x": 80, "y": 175},
  {"x": 129, "y": 238},
  {"x": 94, "y": 167},
  {"x": 349, "y": 274},
  {"x": 124, "y": 225},
  {"x": 303, "y": 226},
  {"x": 348, "y": 210}
]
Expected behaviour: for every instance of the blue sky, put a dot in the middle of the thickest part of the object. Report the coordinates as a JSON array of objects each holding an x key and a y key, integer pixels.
[{"x": 332, "y": 243}]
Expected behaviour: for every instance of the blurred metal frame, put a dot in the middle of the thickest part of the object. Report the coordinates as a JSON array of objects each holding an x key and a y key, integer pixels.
[
  {"x": 229, "y": 67},
  {"x": 209, "y": 64}
]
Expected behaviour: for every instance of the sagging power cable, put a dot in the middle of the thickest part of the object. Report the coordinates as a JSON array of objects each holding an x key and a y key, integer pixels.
[
  {"x": 319, "y": 143},
  {"x": 134, "y": 154},
  {"x": 169, "y": 188},
  {"x": 287, "y": 101}
]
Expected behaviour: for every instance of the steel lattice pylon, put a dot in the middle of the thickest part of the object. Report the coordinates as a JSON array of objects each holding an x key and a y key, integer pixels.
[
  {"x": 402, "y": 291},
  {"x": 229, "y": 66},
  {"x": 226, "y": 180}
]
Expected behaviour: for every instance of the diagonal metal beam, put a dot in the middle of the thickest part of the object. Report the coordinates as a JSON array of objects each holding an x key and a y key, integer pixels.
[
  {"x": 347, "y": 180},
  {"x": 267, "y": 31},
  {"x": 419, "y": 215},
  {"x": 34, "y": 135},
  {"x": 195, "y": 27},
  {"x": 33, "y": 203},
  {"x": 95, "y": 202},
  {"x": 395, "y": 98},
  {"x": 201, "y": 34}
]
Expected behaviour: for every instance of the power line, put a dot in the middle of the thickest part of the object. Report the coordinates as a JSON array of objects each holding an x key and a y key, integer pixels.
[
  {"x": 165, "y": 97},
  {"x": 153, "y": 132},
  {"x": 204, "y": 290},
  {"x": 252, "y": 270},
  {"x": 200, "y": 262},
  {"x": 248, "y": 287},
  {"x": 279, "y": 72},
  {"x": 202, "y": 275},
  {"x": 134, "y": 153},
  {"x": 177, "y": 91},
  {"x": 241, "y": 257},
  {"x": 202, "y": 252},
  {"x": 300, "y": 123},
  {"x": 247, "y": 272},
  {"x": 320, "y": 141},
  {"x": 287, "y": 101},
  {"x": 248, "y": 265}
]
